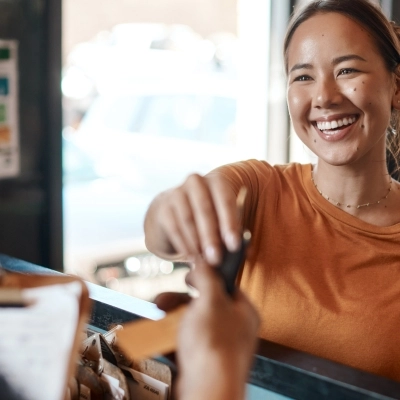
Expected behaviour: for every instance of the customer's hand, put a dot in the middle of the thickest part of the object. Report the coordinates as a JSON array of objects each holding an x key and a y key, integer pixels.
[{"x": 216, "y": 341}]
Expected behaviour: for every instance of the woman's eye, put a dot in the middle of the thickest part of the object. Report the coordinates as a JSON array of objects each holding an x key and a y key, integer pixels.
[
  {"x": 302, "y": 78},
  {"x": 347, "y": 71}
]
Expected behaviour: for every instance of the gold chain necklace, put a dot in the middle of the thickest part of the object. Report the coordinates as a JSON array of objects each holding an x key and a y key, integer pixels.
[{"x": 338, "y": 204}]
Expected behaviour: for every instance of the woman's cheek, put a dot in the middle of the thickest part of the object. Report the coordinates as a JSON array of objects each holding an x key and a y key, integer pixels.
[
  {"x": 354, "y": 92},
  {"x": 296, "y": 106}
]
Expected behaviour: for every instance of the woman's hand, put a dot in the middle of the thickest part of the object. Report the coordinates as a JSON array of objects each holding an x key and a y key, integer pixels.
[
  {"x": 195, "y": 218},
  {"x": 216, "y": 339}
]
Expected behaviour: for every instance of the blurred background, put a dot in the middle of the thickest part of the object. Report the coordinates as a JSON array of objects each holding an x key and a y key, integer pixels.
[{"x": 150, "y": 94}]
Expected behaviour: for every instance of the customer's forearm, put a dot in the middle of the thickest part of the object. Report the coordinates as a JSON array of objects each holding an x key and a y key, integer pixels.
[{"x": 212, "y": 381}]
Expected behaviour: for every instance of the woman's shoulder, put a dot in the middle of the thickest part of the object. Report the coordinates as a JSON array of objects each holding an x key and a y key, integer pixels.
[
  {"x": 262, "y": 169},
  {"x": 260, "y": 175}
]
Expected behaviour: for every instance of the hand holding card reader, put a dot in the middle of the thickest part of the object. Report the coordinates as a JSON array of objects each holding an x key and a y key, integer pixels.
[{"x": 159, "y": 337}]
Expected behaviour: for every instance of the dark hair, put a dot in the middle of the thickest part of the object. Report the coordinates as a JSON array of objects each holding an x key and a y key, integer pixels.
[{"x": 386, "y": 35}]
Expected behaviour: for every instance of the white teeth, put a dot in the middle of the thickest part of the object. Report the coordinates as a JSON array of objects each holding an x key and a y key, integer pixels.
[{"x": 323, "y": 126}]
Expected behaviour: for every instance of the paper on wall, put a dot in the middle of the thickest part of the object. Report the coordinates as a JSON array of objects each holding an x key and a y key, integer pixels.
[{"x": 9, "y": 129}]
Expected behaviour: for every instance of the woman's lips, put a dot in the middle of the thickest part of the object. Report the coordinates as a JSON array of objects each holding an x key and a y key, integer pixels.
[{"x": 335, "y": 129}]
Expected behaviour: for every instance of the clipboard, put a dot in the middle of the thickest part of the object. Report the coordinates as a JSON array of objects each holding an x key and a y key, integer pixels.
[{"x": 21, "y": 322}]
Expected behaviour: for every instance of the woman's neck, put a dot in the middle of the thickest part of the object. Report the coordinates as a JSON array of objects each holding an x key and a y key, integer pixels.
[{"x": 366, "y": 193}]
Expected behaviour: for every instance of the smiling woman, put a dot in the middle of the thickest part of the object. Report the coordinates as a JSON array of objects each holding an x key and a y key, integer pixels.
[
  {"x": 323, "y": 267},
  {"x": 340, "y": 96},
  {"x": 346, "y": 101}
]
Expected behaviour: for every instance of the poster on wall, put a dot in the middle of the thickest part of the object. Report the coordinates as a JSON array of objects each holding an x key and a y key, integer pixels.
[{"x": 9, "y": 130}]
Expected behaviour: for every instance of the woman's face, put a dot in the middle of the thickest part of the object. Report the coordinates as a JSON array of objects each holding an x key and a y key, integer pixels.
[{"x": 340, "y": 92}]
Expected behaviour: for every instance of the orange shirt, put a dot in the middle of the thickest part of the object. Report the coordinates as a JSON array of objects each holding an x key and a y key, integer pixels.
[{"x": 323, "y": 281}]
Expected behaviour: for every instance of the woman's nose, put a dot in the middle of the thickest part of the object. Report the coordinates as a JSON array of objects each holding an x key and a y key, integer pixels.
[{"x": 327, "y": 93}]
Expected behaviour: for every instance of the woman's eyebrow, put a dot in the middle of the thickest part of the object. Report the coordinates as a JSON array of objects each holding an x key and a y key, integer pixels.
[
  {"x": 300, "y": 66},
  {"x": 335, "y": 61},
  {"x": 347, "y": 57}
]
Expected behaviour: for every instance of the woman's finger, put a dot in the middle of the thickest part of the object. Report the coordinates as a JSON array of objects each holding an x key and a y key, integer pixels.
[
  {"x": 225, "y": 202},
  {"x": 176, "y": 220},
  {"x": 184, "y": 215},
  {"x": 206, "y": 219}
]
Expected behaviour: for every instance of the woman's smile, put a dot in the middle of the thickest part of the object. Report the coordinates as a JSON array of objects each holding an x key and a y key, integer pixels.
[
  {"x": 335, "y": 128},
  {"x": 329, "y": 127}
]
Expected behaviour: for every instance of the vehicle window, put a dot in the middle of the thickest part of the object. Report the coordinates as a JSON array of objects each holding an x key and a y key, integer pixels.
[
  {"x": 218, "y": 121},
  {"x": 191, "y": 117},
  {"x": 77, "y": 166},
  {"x": 176, "y": 116},
  {"x": 119, "y": 113}
]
